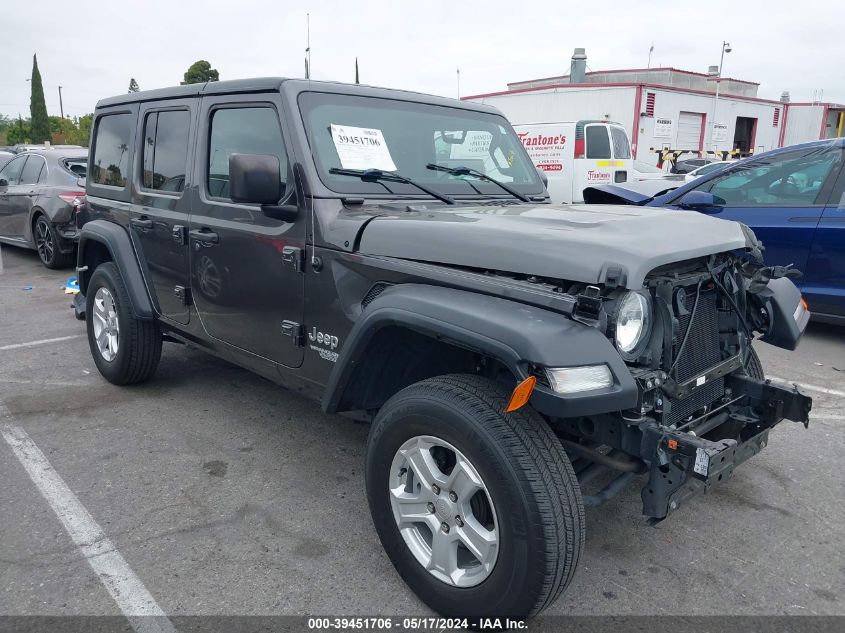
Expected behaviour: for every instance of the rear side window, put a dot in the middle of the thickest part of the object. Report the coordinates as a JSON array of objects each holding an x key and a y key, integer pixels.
[
  {"x": 166, "y": 150},
  {"x": 598, "y": 142},
  {"x": 621, "y": 147},
  {"x": 77, "y": 166},
  {"x": 242, "y": 131},
  {"x": 111, "y": 150},
  {"x": 32, "y": 170}
]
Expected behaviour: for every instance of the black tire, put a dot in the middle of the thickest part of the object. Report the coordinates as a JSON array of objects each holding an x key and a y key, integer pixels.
[
  {"x": 47, "y": 245},
  {"x": 139, "y": 342},
  {"x": 754, "y": 367},
  {"x": 528, "y": 476}
]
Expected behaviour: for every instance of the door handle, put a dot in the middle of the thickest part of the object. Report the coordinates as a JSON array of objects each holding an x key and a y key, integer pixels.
[
  {"x": 206, "y": 236},
  {"x": 143, "y": 223}
]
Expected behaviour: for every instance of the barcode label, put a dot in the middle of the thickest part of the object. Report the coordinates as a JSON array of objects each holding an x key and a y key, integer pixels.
[{"x": 702, "y": 462}]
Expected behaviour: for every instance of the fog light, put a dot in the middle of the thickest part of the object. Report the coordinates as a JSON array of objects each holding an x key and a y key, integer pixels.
[{"x": 575, "y": 379}]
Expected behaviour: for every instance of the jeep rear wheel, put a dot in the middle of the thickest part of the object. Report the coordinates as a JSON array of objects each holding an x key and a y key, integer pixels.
[
  {"x": 125, "y": 349},
  {"x": 479, "y": 510}
]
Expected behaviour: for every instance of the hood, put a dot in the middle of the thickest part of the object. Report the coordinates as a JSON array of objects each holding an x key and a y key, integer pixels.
[
  {"x": 637, "y": 192},
  {"x": 574, "y": 242}
]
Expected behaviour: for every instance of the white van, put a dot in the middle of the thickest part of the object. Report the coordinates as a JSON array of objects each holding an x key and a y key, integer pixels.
[{"x": 578, "y": 154}]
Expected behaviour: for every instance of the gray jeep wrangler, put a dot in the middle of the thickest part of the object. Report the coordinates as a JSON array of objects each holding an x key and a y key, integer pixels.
[{"x": 394, "y": 257}]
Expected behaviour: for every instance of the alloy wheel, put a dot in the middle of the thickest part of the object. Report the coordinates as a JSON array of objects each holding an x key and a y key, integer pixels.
[
  {"x": 444, "y": 511},
  {"x": 44, "y": 241},
  {"x": 106, "y": 324}
]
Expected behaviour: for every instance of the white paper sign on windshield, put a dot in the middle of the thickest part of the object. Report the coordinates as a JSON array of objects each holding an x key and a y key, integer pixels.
[{"x": 361, "y": 148}]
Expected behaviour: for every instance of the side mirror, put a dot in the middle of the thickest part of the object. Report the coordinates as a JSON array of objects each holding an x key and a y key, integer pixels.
[
  {"x": 544, "y": 178},
  {"x": 700, "y": 200},
  {"x": 254, "y": 179},
  {"x": 3, "y": 183}
]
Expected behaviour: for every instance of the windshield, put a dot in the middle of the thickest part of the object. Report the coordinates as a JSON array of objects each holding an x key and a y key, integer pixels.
[{"x": 352, "y": 132}]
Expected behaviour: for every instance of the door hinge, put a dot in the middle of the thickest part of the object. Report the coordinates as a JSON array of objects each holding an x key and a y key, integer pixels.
[
  {"x": 179, "y": 234},
  {"x": 295, "y": 331},
  {"x": 183, "y": 295},
  {"x": 295, "y": 257}
]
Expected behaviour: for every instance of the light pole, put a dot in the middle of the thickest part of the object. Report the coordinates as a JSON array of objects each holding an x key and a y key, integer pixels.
[
  {"x": 726, "y": 48},
  {"x": 61, "y": 107}
]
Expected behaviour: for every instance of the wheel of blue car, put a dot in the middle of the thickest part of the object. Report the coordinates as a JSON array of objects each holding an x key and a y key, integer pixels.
[
  {"x": 479, "y": 510},
  {"x": 47, "y": 245}
]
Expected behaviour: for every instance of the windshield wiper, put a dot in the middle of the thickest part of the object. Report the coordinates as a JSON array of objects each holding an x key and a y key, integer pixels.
[
  {"x": 375, "y": 175},
  {"x": 466, "y": 171}
]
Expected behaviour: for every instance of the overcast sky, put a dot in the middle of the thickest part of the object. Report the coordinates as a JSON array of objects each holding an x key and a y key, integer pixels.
[{"x": 92, "y": 49}]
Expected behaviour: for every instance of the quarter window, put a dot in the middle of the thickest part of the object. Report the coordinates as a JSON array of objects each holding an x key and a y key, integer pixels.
[
  {"x": 793, "y": 179},
  {"x": 165, "y": 153},
  {"x": 598, "y": 143},
  {"x": 111, "y": 150},
  {"x": 242, "y": 131},
  {"x": 11, "y": 173},
  {"x": 32, "y": 170}
]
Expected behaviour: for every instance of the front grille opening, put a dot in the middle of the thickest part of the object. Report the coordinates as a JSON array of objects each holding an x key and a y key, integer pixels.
[{"x": 701, "y": 352}]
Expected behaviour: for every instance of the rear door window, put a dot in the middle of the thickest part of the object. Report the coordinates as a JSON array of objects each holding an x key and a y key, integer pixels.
[
  {"x": 111, "y": 150},
  {"x": 621, "y": 147},
  {"x": 166, "y": 150},
  {"x": 598, "y": 141},
  {"x": 11, "y": 173},
  {"x": 31, "y": 172}
]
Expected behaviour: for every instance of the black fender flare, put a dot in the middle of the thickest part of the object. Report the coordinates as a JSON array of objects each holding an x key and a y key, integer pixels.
[
  {"x": 516, "y": 334},
  {"x": 116, "y": 240}
]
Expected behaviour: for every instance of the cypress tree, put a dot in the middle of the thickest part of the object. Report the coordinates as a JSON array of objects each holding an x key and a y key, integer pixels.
[{"x": 38, "y": 108}]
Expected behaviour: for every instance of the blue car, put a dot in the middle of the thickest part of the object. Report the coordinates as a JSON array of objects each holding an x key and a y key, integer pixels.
[{"x": 793, "y": 200}]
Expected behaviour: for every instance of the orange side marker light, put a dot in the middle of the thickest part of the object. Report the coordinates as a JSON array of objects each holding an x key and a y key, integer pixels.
[
  {"x": 672, "y": 444},
  {"x": 521, "y": 394}
]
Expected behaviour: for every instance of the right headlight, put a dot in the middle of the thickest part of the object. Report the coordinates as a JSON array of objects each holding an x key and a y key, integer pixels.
[{"x": 633, "y": 323}]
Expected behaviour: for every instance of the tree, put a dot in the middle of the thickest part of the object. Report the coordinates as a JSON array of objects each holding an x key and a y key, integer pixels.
[
  {"x": 40, "y": 126},
  {"x": 200, "y": 72},
  {"x": 133, "y": 85},
  {"x": 19, "y": 132}
]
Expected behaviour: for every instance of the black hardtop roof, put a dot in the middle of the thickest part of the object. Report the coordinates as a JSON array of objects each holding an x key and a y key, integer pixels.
[{"x": 265, "y": 84}]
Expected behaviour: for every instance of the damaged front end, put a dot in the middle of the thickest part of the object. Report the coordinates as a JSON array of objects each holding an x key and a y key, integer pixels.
[{"x": 704, "y": 405}]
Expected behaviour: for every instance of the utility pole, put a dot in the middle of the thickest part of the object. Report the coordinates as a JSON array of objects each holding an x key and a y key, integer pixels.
[
  {"x": 61, "y": 107},
  {"x": 459, "y": 83},
  {"x": 726, "y": 48}
]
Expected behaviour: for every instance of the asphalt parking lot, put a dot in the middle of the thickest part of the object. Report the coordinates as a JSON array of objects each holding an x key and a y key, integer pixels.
[{"x": 225, "y": 494}]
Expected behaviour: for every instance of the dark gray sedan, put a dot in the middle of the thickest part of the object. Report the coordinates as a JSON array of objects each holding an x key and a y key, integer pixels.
[{"x": 40, "y": 193}]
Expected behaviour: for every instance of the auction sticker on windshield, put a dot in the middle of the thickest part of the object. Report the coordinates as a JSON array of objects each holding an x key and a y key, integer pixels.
[{"x": 361, "y": 148}]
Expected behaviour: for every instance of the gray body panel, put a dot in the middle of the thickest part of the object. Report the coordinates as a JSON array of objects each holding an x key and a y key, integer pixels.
[{"x": 573, "y": 242}]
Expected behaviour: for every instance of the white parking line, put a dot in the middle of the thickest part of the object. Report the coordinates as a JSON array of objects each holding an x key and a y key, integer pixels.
[
  {"x": 45, "y": 341},
  {"x": 831, "y": 392},
  {"x": 127, "y": 590}
]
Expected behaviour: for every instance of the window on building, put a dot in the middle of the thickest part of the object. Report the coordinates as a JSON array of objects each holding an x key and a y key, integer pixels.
[
  {"x": 242, "y": 131},
  {"x": 111, "y": 150},
  {"x": 166, "y": 150}
]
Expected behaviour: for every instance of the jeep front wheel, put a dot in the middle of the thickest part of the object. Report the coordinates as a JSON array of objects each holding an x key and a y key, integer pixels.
[
  {"x": 479, "y": 510},
  {"x": 125, "y": 349}
]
